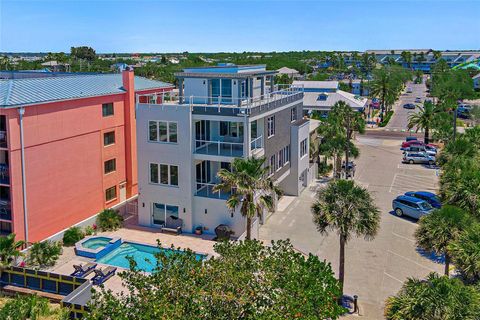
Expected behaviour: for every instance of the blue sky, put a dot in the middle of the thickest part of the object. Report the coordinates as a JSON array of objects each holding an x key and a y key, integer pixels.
[{"x": 212, "y": 26}]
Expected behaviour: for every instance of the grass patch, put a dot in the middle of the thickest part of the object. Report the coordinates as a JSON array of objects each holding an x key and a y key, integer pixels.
[{"x": 386, "y": 119}]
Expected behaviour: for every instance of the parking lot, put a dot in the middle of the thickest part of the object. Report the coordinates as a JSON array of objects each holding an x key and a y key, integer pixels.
[{"x": 374, "y": 269}]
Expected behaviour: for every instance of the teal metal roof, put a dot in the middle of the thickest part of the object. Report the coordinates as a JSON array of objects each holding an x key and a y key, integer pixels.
[{"x": 30, "y": 91}]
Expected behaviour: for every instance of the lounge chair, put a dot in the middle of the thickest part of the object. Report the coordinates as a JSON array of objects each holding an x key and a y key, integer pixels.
[
  {"x": 103, "y": 275},
  {"x": 83, "y": 270},
  {"x": 173, "y": 224}
]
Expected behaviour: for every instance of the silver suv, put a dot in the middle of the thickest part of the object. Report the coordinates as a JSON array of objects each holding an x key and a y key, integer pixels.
[{"x": 418, "y": 157}]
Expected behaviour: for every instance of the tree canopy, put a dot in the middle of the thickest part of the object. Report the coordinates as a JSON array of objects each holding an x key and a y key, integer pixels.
[{"x": 247, "y": 280}]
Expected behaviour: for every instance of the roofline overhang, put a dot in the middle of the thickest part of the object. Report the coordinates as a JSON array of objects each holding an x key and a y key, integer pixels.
[{"x": 21, "y": 105}]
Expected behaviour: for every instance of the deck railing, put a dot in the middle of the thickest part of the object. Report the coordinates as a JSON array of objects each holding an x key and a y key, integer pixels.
[
  {"x": 219, "y": 148},
  {"x": 206, "y": 190}
]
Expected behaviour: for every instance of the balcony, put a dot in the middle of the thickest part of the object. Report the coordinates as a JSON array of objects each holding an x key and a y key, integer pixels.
[
  {"x": 5, "y": 210},
  {"x": 226, "y": 106},
  {"x": 219, "y": 148},
  {"x": 4, "y": 174},
  {"x": 256, "y": 145},
  {"x": 206, "y": 190},
  {"x": 3, "y": 139}
]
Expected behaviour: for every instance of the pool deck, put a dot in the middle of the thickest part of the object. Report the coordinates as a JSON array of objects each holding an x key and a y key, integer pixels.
[{"x": 134, "y": 233}]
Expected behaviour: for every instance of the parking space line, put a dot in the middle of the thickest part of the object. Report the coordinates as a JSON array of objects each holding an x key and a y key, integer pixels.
[
  {"x": 390, "y": 276},
  {"x": 403, "y": 237},
  {"x": 410, "y": 260}
]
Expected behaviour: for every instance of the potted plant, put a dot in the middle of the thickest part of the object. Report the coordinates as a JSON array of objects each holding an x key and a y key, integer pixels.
[{"x": 198, "y": 230}]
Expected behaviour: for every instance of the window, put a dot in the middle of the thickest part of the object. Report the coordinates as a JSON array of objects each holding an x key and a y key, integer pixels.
[
  {"x": 172, "y": 132},
  {"x": 283, "y": 157},
  {"x": 111, "y": 193},
  {"x": 271, "y": 126},
  {"x": 162, "y": 131},
  {"x": 153, "y": 173},
  {"x": 160, "y": 213},
  {"x": 108, "y": 138},
  {"x": 153, "y": 131},
  {"x": 293, "y": 114},
  {"x": 107, "y": 109},
  {"x": 163, "y": 174},
  {"x": 110, "y": 165},
  {"x": 231, "y": 129},
  {"x": 303, "y": 148},
  {"x": 273, "y": 163}
]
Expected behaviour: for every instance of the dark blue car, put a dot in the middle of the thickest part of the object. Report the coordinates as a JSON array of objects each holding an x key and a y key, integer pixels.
[{"x": 427, "y": 196}]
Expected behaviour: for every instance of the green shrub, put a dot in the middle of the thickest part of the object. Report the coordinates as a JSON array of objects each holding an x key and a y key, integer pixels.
[
  {"x": 109, "y": 220},
  {"x": 89, "y": 230},
  {"x": 386, "y": 119},
  {"x": 44, "y": 254},
  {"x": 72, "y": 235},
  {"x": 324, "y": 168},
  {"x": 25, "y": 307}
]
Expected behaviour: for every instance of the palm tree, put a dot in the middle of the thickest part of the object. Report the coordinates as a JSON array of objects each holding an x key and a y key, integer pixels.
[
  {"x": 10, "y": 249},
  {"x": 441, "y": 227},
  {"x": 382, "y": 87},
  {"x": 351, "y": 121},
  {"x": 435, "y": 298},
  {"x": 347, "y": 209},
  {"x": 423, "y": 119},
  {"x": 407, "y": 58},
  {"x": 465, "y": 251},
  {"x": 250, "y": 188}
]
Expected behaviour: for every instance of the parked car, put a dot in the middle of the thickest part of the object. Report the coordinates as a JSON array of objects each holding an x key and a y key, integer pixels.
[
  {"x": 409, "y": 106},
  {"x": 409, "y": 90},
  {"x": 431, "y": 148},
  {"x": 431, "y": 198},
  {"x": 411, "y": 206},
  {"x": 407, "y": 144},
  {"x": 418, "y": 100},
  {"x": 418, "y": 157},
  {"x": 411, "y": 138},
  {"x": 463, "y": 112},
  {"x": 420, "y": 148}
]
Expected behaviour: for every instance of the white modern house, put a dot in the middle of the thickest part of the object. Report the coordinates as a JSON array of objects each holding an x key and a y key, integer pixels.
[
  {"x": 219, "y": 113},
  {"x": 321, "y": 96}
]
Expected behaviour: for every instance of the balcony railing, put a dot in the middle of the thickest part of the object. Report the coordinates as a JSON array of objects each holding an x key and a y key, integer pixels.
[
  {"x": 256, "y": 143},
  {"x": 3, "y": 139},
  {"x": 206, "y": 190},
  {"x": 219, "y": 104},
  {"x": 219, "y": 148},
  {"x": 4, "y": 176},
  {"x": 5, "y": 210}
]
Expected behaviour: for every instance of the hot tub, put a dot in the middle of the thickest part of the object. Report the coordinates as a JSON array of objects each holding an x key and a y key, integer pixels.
[{"x": 96, "y": 247}]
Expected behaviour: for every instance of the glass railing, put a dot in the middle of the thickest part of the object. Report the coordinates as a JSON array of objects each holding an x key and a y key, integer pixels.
[
  {"x": 206, "y": 190},
  {"x": 219, "y": 148},
  {"x": 256, "y": 143}
]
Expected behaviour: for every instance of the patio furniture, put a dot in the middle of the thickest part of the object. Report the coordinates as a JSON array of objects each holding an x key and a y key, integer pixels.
[
  {"x": 173, "y": 224},
  {"x": 83, "y": 270},
  {"x": 103, "y": 275},
  {"x": 223, "y": 232}
]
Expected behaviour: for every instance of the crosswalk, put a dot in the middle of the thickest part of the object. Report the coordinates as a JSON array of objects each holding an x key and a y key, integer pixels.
[{"x": 404, "y": 130}]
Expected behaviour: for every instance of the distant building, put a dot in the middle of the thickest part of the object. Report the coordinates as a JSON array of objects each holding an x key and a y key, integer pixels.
[
  {"x": 55, "y": 66},
  {"x": 67, "y": 148},
  {"x": 291, "y": 73},
  {"x": 322, "y": 95},
  {"x": 358, "y": 87}
]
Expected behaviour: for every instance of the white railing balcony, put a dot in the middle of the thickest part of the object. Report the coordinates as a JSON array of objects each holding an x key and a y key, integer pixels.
[
  {"x": 256, "y": 144},
  {"x": 246, "y": 105},
  {"x": 206, "y": 190},
  {"x": 219, "y": 148}
]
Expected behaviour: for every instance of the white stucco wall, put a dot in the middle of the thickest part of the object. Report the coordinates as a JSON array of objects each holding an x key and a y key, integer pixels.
[{"x": 179, "y": 154}]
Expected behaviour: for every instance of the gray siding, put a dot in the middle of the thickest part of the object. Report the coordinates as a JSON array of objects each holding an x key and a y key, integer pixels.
[{"x": 282, "y": 136}]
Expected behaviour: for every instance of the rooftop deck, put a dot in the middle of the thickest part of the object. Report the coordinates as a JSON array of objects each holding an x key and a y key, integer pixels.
[{"x": 225, "y": 106}]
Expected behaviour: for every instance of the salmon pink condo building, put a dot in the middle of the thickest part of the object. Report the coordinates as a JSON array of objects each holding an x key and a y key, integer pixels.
[{"x": 67, "y": 148}]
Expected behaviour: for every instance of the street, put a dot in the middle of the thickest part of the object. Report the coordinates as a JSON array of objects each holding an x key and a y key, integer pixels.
[
  {"x": 374, "y": 269},
  {"x": 399, "y": 120}
]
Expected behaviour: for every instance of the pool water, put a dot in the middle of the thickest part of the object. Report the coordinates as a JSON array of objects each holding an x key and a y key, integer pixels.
[
  {"x": 95, "y": 243},
  {"x": 144, "y": 256}
]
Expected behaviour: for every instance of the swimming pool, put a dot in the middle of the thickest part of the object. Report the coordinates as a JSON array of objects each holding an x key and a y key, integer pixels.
[
  {"x": 95, "y": 243},
  {"x": 144, "y": 256}
]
